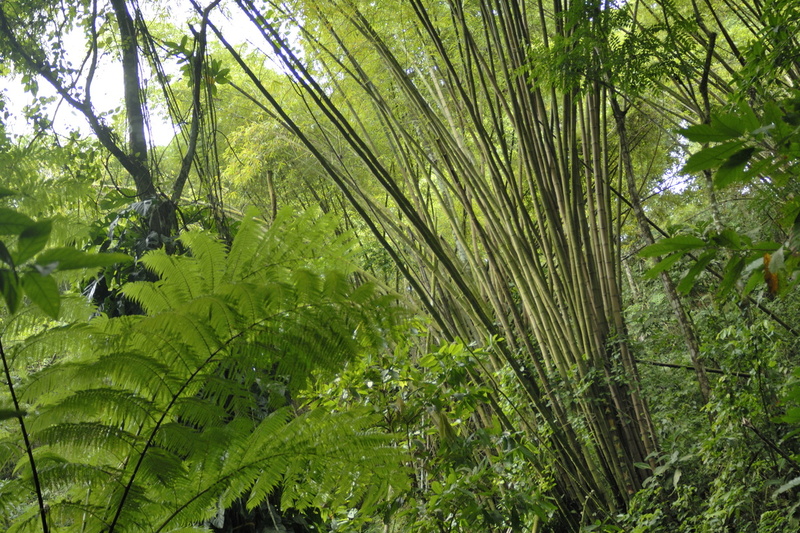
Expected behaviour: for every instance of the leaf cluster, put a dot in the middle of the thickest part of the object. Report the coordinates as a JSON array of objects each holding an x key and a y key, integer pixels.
[{"x": 159, "y": 421}]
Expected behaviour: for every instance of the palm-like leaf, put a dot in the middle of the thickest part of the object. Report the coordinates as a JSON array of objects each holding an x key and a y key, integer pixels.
[{"x": 155, "y": 421}]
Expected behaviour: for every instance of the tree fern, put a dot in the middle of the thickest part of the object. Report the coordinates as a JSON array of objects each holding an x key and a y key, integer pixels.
[{"x": 155, "y": 422}]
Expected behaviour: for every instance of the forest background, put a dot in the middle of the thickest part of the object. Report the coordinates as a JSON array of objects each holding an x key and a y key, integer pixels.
[{"x": 409, "y": 265}]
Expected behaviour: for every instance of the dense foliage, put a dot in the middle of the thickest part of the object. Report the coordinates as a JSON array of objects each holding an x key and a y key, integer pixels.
[{"x": 410, "y": 265}]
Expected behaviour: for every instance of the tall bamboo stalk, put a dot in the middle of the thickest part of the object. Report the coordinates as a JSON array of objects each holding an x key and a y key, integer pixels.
[{"x": 516, "y": 238}]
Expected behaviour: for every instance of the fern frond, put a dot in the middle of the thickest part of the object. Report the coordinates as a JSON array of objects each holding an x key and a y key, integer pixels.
[
  {"x": 83, "y": 437},
  {"x": 211, "y": 256},
  {"x": 151, "y": 422}
]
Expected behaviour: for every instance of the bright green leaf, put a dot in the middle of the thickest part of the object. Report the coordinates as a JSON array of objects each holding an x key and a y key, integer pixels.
[
  {"x": 672, "y": 244},
  {"x": 43, "y": 291},
  {"x": 32, "y": 240}
]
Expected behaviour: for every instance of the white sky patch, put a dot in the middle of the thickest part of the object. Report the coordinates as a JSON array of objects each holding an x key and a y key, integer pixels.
[{"x": 107, "y": 87}]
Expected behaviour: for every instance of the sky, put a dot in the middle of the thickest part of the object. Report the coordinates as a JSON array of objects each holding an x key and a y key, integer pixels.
[{"x": 107, "y": 86}]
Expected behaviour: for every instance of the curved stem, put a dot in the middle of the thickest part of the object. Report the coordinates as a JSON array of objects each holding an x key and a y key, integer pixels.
[{"x": 28, "y": 448}]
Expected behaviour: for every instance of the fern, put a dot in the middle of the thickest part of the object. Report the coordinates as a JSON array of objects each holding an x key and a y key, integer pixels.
[{"x": 155, "y": 422}]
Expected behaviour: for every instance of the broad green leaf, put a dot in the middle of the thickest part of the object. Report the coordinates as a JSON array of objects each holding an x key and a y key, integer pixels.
[
  {"x": 43, "y": 291},
  {"x": 766, "y": 246},
  {"x": 733, "y": 169},
  {"x": 711, "y": 157},
  {"x": 714, "y": 132},
  {"x": 6, "y": 192},
  {"x": 9, "y": 286},
  {"x": 747, "y": 117},
  {"x": 672, "y": 244},
  {"x": 12, "y": 222},
  {"x": 70, "y": 259},
  {"x": 687, "y": 282},
  {"x": 752, "y": 282},
  {"x": 664, "y": 264},
  {"x": 427, "y": 361},
  {"x": 32, "y": 240},
  {"x": 732, "y": 272},
  {"x": 728, "y": 239}
]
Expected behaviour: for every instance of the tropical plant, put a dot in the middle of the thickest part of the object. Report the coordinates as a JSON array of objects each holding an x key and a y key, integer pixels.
[{"x": 161, "y": 421}]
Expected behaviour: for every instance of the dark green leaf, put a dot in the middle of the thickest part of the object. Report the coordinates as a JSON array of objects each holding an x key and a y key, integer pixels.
[
  {"x": 12, "y": 222},
  {"x": 711, "y": 157},
  {"x": 5, "y": 255},
  {"x": 752, "y": 282},
  {"x": 729, "y": 239},
  {"x": 70, "y": 259},
  {"x": 733, "y": 169},
  {"x": 32, "y": 240},
  {"x": 733, "y": 269},
  {"x": 43, "y": 291},
  {"x": 664, "y": 264},
  {"x": 9, "y": 286},
  {"x": 714, "y": 132},
  {"x": 5, "y": 192},
  {"x": 687, "y": 282},
  {"x": 672, "y": 244}
]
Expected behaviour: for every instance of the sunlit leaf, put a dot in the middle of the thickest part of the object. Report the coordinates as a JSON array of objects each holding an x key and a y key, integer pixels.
[
  {"x": 672, "y": 244},
  {"x": 43, "y": 291}
]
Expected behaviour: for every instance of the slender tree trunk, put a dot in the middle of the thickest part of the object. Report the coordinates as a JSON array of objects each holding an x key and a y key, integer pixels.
[{"x": 684, "y": 321}]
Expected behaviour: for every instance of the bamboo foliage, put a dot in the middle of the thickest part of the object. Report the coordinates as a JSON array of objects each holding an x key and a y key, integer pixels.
[{"x": 500, "y": 212}]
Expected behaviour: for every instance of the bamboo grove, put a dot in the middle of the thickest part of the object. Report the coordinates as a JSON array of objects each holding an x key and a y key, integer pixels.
[{"x": 500, "y": 153}]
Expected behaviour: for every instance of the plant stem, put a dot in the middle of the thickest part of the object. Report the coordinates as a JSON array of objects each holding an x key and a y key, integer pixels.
[{"x": 28, "y": 448}]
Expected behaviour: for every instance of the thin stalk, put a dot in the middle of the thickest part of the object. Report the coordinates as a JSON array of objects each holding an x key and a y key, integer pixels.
[{"x": 26, "y": 439}]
